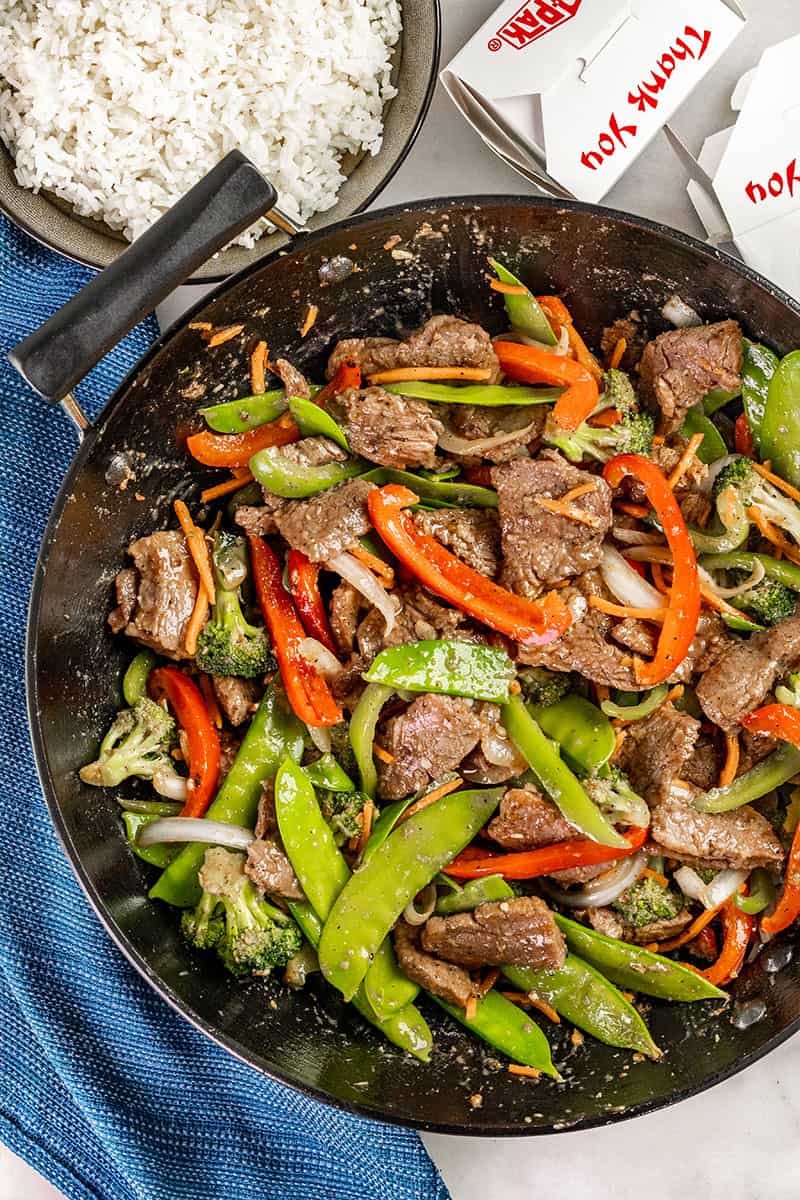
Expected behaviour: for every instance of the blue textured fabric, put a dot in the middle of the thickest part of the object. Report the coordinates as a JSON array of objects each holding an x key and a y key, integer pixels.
[{"x": 102, "y": 1087}]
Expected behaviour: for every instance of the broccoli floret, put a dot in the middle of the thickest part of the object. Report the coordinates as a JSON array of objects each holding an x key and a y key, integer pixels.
[
  {"x": 768, "y": 603},
  {"x": 618, "y": 391},
  {"x": 228, "y": 644},
  {"x": 789, "y": 692},
  {"x": 253, "y": 935},
  {"x": 632, "y": 434},
  {"x": 740, "y": 481},
  {"x": 543, "y": 687},
  {"x": 611, "y": 791},
  {"x": 342, "y": 811},
  {"x": 138, "y": 743},
  {"x": 647, "y": 901}
]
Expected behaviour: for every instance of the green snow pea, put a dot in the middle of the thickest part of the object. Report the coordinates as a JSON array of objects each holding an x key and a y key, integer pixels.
[
  {"x": 525, "y": 313},
  {"x": 642, "y": 708},
  {"x": 314, "y": 421},
  {"x": 274, "y": 733},
  {"x": 362, "y": 732},
  {"x": 784, "y": 571},
  {"x": 776, "y": 769},
  {"x": 555, "y": 776},
  {"x": 717, "y": 399},
  {"x": 506, "y": 1027},
  {"x": 585, "y": 998},
  {"x": 408, "y": 860},
  {"x": 156, "y": 856},
  {"x": 584, "y": 733},
  {"x": 390, "y": 815},
  {"x": 450, "y": 667},
  {"x": 780, "y": 425},
  {"x": 477, "y": 891},
  {"x": 713, "y": 445},
  {"x": 760, "y": 364},
  {"x": 250, "y": 494},
  {"x": 292, "y": 480},
  {"x": 635, "y": 968},
  {"x": 134, "y": 683},
  {"x": 237, "y": 416},
  {"x": 447, "y": 495},
  {"x": 486, "y": 395},
  {"x": 325, "y": 772},
  {"x": 762, "y": 893}
]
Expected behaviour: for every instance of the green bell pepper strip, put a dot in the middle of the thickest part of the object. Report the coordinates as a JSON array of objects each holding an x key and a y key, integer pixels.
[
  {"x": 408, "y": 860},
  {"x": 447, "y": 495},
  {"x": 485, "y": 395},
  {"x": 134, "y": 682},
  {"x": 585, "y": 998},
  {"x": 293, "y": 481},
  {"x": 525, "y": 313},
  {"x": 762, "y": 893},
  {"x": 362, "y": 733},
  {"x": 506, "y": 1027},
  {"x": 633, "y": 967},
  {"x": 780, "y": 425},
  {"x": 274, "y": 733},
  {"x": 156, "y": 856},
  {"x": 584, "y": 733},
  {"x": 384, "y": 825},
  {"x": 766, "y": 775},
  {"x": 313, "y": 421},
  {"x": 238, "y": 416},
  {"x": 477, "y": 891},
  {"x": 451, "y": 668},
  {"x": 713, "y": 445},
  {"x": 635, "y": 712},
  {"x": 325, "y": 772},
  {"x": 741, "y": 624},
  {"x": 151, "y": 808},
  {"x": 555, "y": 777},
  {"x": 760, "y": 364},
  {"x": 250, "y": 494},
  {"x": 717, "y": 399},
  {"x": 784, "y": 571}
]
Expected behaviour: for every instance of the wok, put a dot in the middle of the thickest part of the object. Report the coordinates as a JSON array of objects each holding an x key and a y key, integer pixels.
[{"x": 605, "y": 263}]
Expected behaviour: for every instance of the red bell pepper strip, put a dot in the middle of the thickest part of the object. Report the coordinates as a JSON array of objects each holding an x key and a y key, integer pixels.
[
  {"x": 236, "y": 449},
  {"x": 557, "y": 313},
  {"x": 308, "y": 693},
  {"x": 304, "y": 586},
  {"x": 529, "y": 364},
  {"x": 347, "y": 375},
  {"x": 472, "y": 863},
  {"x": 680, "y": 622},
  {"x": 743, "y": 437},
  {"x": 202, "y": 739},
  {"x": 531, "y": 622},
  {"x": 737, "y": 927}
]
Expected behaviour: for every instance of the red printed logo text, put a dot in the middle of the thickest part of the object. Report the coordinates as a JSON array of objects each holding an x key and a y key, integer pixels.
[{"x": 532, "y": 21}]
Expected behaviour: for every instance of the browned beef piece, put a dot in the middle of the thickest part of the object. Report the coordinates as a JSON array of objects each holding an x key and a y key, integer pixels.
[
  {"x": 571, "y": 876},
  {"x": 126, "y": 586},
  {"x": 527, "y": 820},
  {"x": 541, "y": 547},
  {"x": 654, "y": 750},
  {"x": 328, "y": 523},
  {"x": 426, "y": 741},
  {"x": 667, "y": 455},
  {"x": 255, "y": 519},
  {"x": 443, "y": 341},
  {"x": 443, "y": 979},
  {"x": 752, "y": 748},
  {"x": 392, "y": 430},
  {"x": 606, "y": 921},
  {"x": 347, "y": 686},
  {"x": 745, "y": 672},
  {"x": 704, "y": 764},
  {"x": 711, "y": 639},
  {"x": 422, "y": 617},
  {"x": 312, "y": 452},
  {"x": 165, "y": 594},
  {"x": 267, "y": 864},
  {"x": 629, "y": 328},
  {"x": 229, "y": 743},
  {"x": 520, "y": 931},
  {"x": 635, "y": 635},
  {"x": 473, "y": 534},
  {"x": 479, "y": 768},
  {"x": 695, "y": 508},
  {"x": 343, "y": 611},
  {"x": 237, "y": 696},
  {"x": 294, "y": 381},
  {"x": 474, "y": 423},
  {"x": 680, "y": 367},
  {"x": 742, "y": 839}
]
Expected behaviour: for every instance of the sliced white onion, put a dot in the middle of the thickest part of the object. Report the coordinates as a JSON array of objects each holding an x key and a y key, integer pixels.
[
  {"x": 418, "y": 910},
  {"x": 689, "y": 882},
  {"x": 168, "y": 783},
  {"x": 321, "y": 737},
  {"x": 479, "y": 446},
  {"x": 498, "y": 750},
  {"x": 660, "y": 554},
  {"x": 717, "y": 891},
  {"x": 367, "y": 584},
  {"x": 320, "y": 657},
  {"x": 679, "y": 313},
  {"x": 636, "y": 537},
  {"x": 713, "y": 471},
  {"x": 195, "y": 829},
  {"x": 601, "y": 891},
  {"x": 755, "y": 577},
  {"x": 626, "y": 584},
  {"x": 561, "y": 347}
]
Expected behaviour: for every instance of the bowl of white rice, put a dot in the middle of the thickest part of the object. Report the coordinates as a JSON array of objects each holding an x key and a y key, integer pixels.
[{"x": 110, "y": 112}]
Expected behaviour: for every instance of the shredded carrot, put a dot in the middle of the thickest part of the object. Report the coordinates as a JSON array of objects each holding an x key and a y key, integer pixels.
[
  {"x": 258, "y": 365},
  {"x": 605, "y": 419},
  {"x": 196, "y": 622},
  {"x": 624, "y": 610},
  {"x": 582, "y": 489},
  {"x": 674, "y": 694},
  {"x": 683, "y": 464},
  {"x": 621, "y": 734},
  {"x": 201, "y": 326},
  {"x": 773, "y": 534},
  {"x": 196, "y": 543},
  {"x": 556, "y": 311},
  {"x": 618, "y": 352},
  {"x": 698, "y": 924},
  {"x": 728, "y": 772},
  {"x": 382, "y": 754},
  {"x": 444, "y": 789},
  {"x": 210, "y": 698},
  {"x": 544, "y": 1007},
  {"x": 659, "y": 878},
  {"x": 659, "y": 439},
  {"x": 658, "y": 578},
  {"x": 779, "y": 483},
  {"x": 601, "y": 692},
  {"x": 223, "y": 489},
  {"x": 399, "y": 374},
  {"x": 310, "y": 318},
  {"x": 471, "y": 1008},
  {"x": 634, "y": 510},
  {"x": 528, "y": 1072},
  {"x": 520, "y": 998},
  {"x": 514, "y": 687},
  {"x": 224, "y": 335},
  {"x": 367, "y": 815},
  {"x": 566, "y": 510},
  {"x": 374, "y": 564},
  {"x": 508, "y": 289},
  {"x": 489, "y": 980}
]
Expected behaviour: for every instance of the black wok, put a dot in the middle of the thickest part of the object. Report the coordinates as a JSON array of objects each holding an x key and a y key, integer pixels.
[{"x": 605, "y": 263}]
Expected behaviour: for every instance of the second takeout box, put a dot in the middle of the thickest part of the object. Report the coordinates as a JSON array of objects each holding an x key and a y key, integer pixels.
[{"x": 575, "y": 89}]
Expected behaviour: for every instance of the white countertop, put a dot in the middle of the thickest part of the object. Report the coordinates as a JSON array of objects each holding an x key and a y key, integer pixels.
[{"x": 738, "y": 1141}]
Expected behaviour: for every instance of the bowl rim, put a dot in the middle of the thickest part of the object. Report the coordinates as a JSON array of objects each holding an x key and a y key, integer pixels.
[{"x": 38, "y": 740}]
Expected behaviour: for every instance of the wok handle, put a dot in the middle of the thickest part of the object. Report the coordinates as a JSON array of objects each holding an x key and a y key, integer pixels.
[{"x": 228, "y": 199}]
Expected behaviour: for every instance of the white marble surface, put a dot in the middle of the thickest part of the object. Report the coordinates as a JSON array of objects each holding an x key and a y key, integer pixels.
[{"x": 739, "y": 1141}]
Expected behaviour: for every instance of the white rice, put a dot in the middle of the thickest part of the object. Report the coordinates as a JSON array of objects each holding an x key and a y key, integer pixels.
[{"x": 119, "y": 108}]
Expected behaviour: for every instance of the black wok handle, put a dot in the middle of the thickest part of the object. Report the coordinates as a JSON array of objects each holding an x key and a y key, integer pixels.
[{"x": 58, "y": 354}]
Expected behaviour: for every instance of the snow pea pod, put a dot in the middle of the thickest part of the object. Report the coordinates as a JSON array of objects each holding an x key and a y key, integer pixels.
[
  {"x": 390, "y": 815},
  {"x": 408, "y": 860},
  {"x": 293, "y": 481},
  {"x": 156, "y": 856},
  {"x": 584, "y": 997},
  {"x": 634, "y": 967},
  {"x": 134, "y": 683},
  {"x": 362, "y": 732},
  {"x": 237, "y": 416},
  {"x": 643, "y": 708},
  {"x": 784, "y": 571},
  {"x": 760, "y": 364},
  {"x": 506, "y": 1027},
  {"x": 717, "y": 399},
  {"x": 773, "y": 771},
  {"x": 583, "y": 732},
  {"x": 780, "y": 425},
  {"x": 448, "y": 495},
  {"x": 313, "y": 421},
  {"x": 713, "y": 445},
  {"x": 524, "y": 312},
  {"x": 555, "y": 776},
  {"x": 477, "y": 891},
  {"x": 326, "y": 773},
  {"x": 762, "y": 893},
  {"x": 485, "y": 395},
  {"x": 450, "y": 667}
]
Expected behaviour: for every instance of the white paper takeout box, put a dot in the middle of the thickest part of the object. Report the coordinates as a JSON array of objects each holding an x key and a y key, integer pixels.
[{"x": 571, "y": 91}]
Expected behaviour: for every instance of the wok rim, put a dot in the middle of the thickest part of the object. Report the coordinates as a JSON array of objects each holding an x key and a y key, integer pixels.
[{"x": 701, "y": 251}]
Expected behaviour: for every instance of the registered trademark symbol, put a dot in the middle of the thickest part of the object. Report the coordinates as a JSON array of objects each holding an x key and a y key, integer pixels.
[{"x": 495, "y": 44}]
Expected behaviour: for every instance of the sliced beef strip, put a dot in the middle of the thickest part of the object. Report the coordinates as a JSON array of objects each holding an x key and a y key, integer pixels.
[
  {"x": 606, "y": 921},
  {"x": 526, "y": 820},
  {"x": 327, "y": 523},
  {"x": 478, "y": 768},
  {"x": 704, "y": 764},
  {"x": 745, "y": 672},
  {"x": 541, "y": 547},
  {"x": 343, "y": 610},
  {"x": 229, "y": 743},
  {"x": 635, "y": 635},
  {"x": 742, "y": 839},
  {"x": 126, "y": 586},
  {"x": 237, "y": 696},
  {"x": 391, "y": 430},
  {"x": 165, "y": 596},
  {"x": 630, "y": 328},
  {"x": 267, "y": 864},
  {"x": 443, "y": 979},
  {"x": 655, "y": 749},
  {"x": 752, "y": 749},
  {"x": 312, "y": 452},
  {"x": 709, "y": 641},
  {"x": 443, "y": 341},
  {"x": 255, "y": 519},
  {"x": 370, "y": 353},
  {"x": 475, "y": 423},
  {"x": 426, "y": 741},
  {"x": 294, "y": 381},
  {"x": 421, "y": 617},
  {"x": 472, "y": 534},
  {"x": 520, "y": 931},
  {"x": 667, "y": 455},
  {"x": 680, "y": 367}
]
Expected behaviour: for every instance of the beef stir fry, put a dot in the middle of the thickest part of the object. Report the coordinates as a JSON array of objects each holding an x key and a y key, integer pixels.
[{"x": 475, "y": 680}]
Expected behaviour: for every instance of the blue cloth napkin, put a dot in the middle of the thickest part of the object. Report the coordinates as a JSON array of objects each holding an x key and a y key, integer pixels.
[{"x": 103, "y": 1088}]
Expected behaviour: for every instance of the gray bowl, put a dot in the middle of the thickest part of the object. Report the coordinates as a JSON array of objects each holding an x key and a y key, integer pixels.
[{"x": 414, "y": 67}]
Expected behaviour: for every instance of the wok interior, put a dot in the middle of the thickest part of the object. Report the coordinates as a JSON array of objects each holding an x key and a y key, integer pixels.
[{"x": 605, "y": 265}]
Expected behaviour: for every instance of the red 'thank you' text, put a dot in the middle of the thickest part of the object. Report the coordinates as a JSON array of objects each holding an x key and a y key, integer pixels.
[{"x": 778, "y": 183}]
